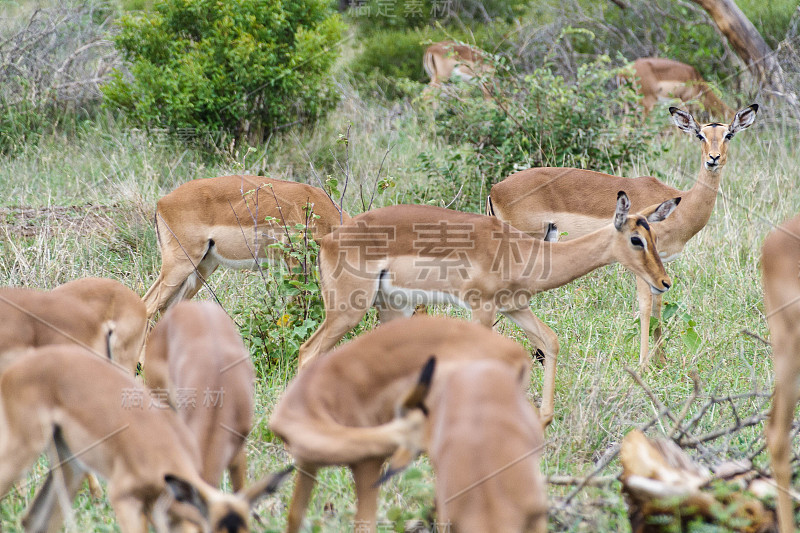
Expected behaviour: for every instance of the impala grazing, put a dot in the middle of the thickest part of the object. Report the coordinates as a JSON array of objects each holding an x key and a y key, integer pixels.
[
  {"x": 780, "y": 262},
  {"x": 196, "y": 348},
  {"x": 397, "y": 257},
  {"x": 101, "y": 315},
  {"x": 448, "y": 59},
  {"x": 116, "y": 304},
  {"x": 665, "y": 79},
  {"x": 483, "y": 436},
  {"x": 63, "y": 396},
  {"x": 578, "y": 202},
  {"x": 230, "y": 221}
]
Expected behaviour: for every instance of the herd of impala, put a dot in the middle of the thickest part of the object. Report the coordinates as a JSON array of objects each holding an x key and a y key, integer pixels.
[{"x": 454, "y": 389}]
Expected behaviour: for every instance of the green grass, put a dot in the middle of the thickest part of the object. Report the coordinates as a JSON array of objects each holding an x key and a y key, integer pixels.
[{"x": 716, "y": 281}]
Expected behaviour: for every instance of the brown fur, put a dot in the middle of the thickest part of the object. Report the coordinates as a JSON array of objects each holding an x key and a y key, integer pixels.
[
  {"x": 111, "y": 301},
  {"x": 87, "y": 311},
  {"x": 196, "y": 347},
  {"x": 780, "y": 262},
  {"x": 226, "y": 216},
  {"x": 663, "y": 78},
  {"x": 487, "y": 266},
  {"x": 579, "y": 202},
  {"x": 324, "y": 409},
  {"x": 132, "y": 448},
  {"x": 442, "y": 58}
]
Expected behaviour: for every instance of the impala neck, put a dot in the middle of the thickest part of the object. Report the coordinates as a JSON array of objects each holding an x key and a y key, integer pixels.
[
  {"x": 700, "y": 199},
  {"x": 559, "y": 263}
]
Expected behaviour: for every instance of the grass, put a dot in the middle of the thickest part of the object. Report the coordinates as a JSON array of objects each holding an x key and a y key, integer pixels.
[{"x": 716, "y": 283}]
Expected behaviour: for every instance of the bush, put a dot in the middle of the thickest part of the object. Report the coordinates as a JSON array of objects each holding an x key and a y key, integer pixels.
[
  {"x": 292, "y": 309},
  {"x": 240, "y": 66},
  {"x": 380, "y": 15},
  {"x": 543, "y": 120},
  {"x": 389, "y": 58}
]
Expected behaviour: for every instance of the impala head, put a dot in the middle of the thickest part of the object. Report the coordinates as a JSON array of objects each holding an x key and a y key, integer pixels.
[
  {"x": 714, "y": 136},
  {"x": 636, "y": 248},
  {"x": 224, "y": 513}
]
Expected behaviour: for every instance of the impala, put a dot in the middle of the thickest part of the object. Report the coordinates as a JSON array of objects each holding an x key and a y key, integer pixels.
[
  {"x": 447, "y": 59},
  {"x": 578, "y": 201},
  {"x": 230, "y": 221},
  {"x": 64, "y": 396},
  {"x": 780, "y": 261},
  {"x": 196, "y": 348},
  {"x": 99, "y": 314},
  {"x": 401, "y": 256},
  {"x": 665, "y": 79},
  {"x": 483, "y": 436},
  {"x": 196, "y": 358},
  {"x": 116, "y": 304}
]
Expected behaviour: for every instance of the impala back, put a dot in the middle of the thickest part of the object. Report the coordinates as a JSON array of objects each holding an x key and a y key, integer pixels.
[{"x": 485, "y": 443}]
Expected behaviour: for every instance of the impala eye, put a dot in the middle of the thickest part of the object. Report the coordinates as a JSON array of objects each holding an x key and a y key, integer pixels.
[
  {"x": 700, "y": 136},
  {"x": 728, "y": 136},
  {"x": 637, "y": 242}
]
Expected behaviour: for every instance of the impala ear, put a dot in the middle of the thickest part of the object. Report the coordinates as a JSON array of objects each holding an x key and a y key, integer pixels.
[
  {"x": 264, "y": 486},
  {"x": 184, "y": 492},
  {"x": 657, "y": 213},
  {"x": 406, "y": 453},
  {"x": 684, "y": 121},
  {"x": 415, "y": 399},
  {"x": 743, "y": 119},
  {"x": 623, "y": 207}
]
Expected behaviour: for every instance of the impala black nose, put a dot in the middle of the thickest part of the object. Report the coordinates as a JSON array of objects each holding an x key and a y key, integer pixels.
[{"x": 666, "y": 285}]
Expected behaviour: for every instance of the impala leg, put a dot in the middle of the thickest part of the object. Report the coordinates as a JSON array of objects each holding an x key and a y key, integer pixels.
[
  {"x": 365, "y": 474},
  {"x": 196, "y": 279},
  {"x": 182, "y": 274},
  {"x": 333, "y": 328},
  {"x": 45, "y": 513},
  {"x": 779, "y": 426},
  {"x": 658, "y": 346},
  {"x": 544, "y": 339},
  {"x": 645, "y": 298},
  {"x": 238, "y": 469},
  {"x": 303, "y": 485},
  {"x": 130, "y": 514}
]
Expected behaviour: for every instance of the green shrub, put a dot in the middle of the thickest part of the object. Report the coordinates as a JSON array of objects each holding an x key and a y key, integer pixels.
[
  {"x": 292, "y": 309},
  {"x": 240, "y": 66},
  {"x": 541, "y": 120},
  {"x": 395, "y": 54},
  {"x": 380, "y": 15},
  {"x": 389, "y": 58}
]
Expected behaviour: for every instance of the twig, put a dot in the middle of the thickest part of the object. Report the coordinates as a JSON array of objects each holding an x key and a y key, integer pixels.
[
  {"x": 756, "y": 336},
  {"x": 747, "y": 422},
  {"x": 660, "y": 406},
  {"x": 377, "y": 177},
  {"x": 695, "y": 391},
  {"x": 601, "y": 481}
]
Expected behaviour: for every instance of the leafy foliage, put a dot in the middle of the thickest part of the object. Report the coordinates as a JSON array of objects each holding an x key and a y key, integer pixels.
[
  {"x": 545, "y": 120},
  {"x": 374, "y": 16},
  {"x": 389, "y": 58},
  {"x": 240, "y": 66},
  {"x": 292, "y": 308}
]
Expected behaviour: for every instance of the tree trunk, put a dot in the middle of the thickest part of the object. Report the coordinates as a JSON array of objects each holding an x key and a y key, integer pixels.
[{"x": 748, "y": 44}]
